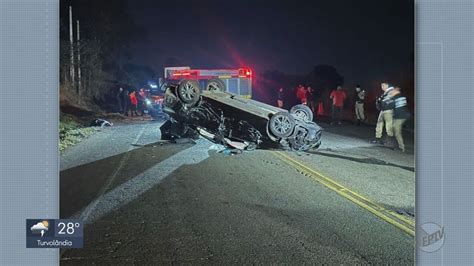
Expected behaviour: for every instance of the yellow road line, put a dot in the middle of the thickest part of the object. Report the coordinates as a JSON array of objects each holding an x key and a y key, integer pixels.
[{"x": 405, "y": 224}]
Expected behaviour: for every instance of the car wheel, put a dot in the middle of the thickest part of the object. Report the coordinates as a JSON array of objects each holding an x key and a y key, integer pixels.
[
  {"x": 302, "y": 111},
  {"x": 216, "y": 85},
  {"x": 281, "y": 124},
  {"x": 188, "y": 91}
]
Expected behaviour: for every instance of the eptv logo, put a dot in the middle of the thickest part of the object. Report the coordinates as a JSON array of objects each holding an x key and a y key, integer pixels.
[{"x": 432, "y": 237}]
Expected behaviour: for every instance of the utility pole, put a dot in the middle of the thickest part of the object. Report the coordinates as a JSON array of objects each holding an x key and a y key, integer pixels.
[
  {"x": 73, "y": 80},
  {"x": 79, "y": 89}
]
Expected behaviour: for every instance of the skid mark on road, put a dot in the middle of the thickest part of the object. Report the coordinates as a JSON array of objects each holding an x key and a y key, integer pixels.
[{"x": 138, "y": 185}]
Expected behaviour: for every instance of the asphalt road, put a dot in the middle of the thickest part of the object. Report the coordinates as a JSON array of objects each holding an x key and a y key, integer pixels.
[{"x": 147, "y": 202}]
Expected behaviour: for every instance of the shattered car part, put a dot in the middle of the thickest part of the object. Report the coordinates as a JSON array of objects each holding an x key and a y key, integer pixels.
[
  {"x": 226, "y": 119},
  {"x": 99, "y": 122}
]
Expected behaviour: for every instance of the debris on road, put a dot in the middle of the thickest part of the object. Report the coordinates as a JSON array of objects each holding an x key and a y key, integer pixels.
[
  {"x": 232, "y": 148},
  {"x": 99, "y": 122},
  {"x": 170, "y": 130},
  {"x": 237, "y": 144},
  {"x": 217, "y": 147},
  {"x": 228, "y": 151}
]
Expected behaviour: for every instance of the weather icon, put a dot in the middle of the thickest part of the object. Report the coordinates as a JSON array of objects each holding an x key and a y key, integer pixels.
[{"x": 40, "y": 227}]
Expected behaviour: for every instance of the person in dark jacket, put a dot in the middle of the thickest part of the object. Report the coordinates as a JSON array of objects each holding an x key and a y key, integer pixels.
[
  {"x": 385, "y": 116},
  {"x": 119, "y": 100},
  {"x": 359, "y": 98},
  {"x": 398, "y": 103},
  {"x": 141, "y": 97},
  {"x": 126, "y": 101},
  {"x": 311, "y": 99}
]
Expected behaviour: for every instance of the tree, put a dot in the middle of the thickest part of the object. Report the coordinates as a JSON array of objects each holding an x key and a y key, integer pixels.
[{"x": 107, "y": 30}]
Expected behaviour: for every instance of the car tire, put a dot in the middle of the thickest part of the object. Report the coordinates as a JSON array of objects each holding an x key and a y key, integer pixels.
[
  {"x": 302, "y": 111},
  {"x": 216, "y": 85},
  {"x": 281, "y": 124},
  {"x": 188, "y": 91}
]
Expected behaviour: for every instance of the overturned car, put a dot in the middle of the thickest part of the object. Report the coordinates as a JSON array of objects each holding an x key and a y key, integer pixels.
[{"x": 229, "y": 119}]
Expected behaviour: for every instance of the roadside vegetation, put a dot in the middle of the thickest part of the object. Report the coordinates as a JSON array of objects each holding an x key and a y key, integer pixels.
[
  {"x": 72, "y": 131},
  {"x": 93, "y": 65}
]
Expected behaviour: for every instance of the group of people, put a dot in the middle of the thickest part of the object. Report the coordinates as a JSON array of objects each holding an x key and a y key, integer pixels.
[
  {"x": 312, "y": 98},
  {"x": 339, "y": 96},
  {"x": 305, "y": 95},
  {"x": 393, "y": 113},
  {"x": 391, "y": 104},
  {"x": 131, "y": 102},
  {"x": 309, "y": 96}
]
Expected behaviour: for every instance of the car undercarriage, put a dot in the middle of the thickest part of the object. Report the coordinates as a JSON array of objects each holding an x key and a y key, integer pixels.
[{"x": 228, "y": 119}]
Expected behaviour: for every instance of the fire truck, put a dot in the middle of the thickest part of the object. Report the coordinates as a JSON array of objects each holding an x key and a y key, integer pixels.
[{"x": 235, "y": 81}]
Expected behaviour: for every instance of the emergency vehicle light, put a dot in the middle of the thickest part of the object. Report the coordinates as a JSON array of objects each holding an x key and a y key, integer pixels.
[
  {"x": 182, "y": 74},
  {"x": 245, "y": 73}
]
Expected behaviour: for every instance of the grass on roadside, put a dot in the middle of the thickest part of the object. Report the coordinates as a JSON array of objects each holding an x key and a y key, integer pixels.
[{"x": 71, "y": 131}]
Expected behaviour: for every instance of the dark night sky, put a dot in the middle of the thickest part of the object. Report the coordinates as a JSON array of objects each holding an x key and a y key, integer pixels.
[{"x": 365, "y": 40}]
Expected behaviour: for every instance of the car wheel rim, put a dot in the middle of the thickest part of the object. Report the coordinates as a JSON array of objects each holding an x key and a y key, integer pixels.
[
  {"x": 282, "y": 124},
  {"x": 301, "y": 114},
  {"x": 188, "y": 92},
  {"x": 214, "y": 87}
]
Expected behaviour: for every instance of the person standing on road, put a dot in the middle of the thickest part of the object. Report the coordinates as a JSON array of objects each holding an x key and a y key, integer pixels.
[
  {"x": 359, "y": 105},
  {"x": 311, "y": 99},
  {"x": 126, "y": 101},
  {"x": 398, "y": 103},
  {"x": 280, "y": 97},
  {"x": 141, "y": 101},
  {"x": 301, "y": 94},
  {"x": 338, "y": 97},
  {"x": 385, "y": 116},
  {"x": 134, "y": 103},
  {"x": 119, "y": 99}
]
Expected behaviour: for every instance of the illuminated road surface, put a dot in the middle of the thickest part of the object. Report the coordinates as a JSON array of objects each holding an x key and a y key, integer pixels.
[{"x": 151, "y": 203}]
